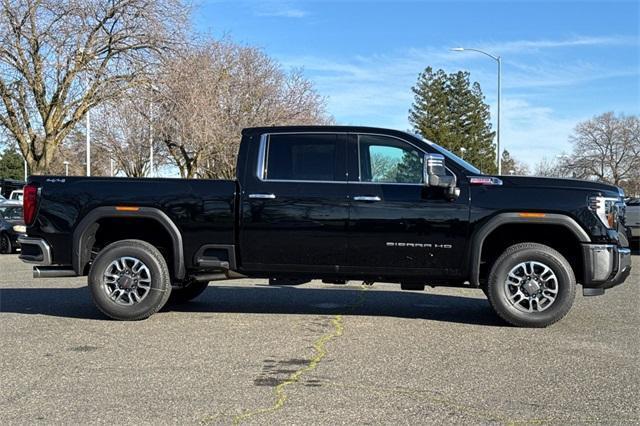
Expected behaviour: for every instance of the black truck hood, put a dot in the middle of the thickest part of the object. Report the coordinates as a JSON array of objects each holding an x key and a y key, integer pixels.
[{"x": 585, "y": 185}]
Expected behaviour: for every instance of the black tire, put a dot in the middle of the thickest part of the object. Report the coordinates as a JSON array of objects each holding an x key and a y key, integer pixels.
[
  {"x": 160, "y": 283},
  {"x": 188, "y": 292},
  {"x": 531, "y": 252},
  {"x": 5, "y": 244}
]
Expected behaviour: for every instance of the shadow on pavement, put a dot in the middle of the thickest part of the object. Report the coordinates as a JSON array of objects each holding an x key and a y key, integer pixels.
[{"x": 77, "y": 303}]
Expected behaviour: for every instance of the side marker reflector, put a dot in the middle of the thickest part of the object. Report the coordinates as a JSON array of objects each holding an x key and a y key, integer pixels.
[
  {"x": 531, "y": 214},
  {"x": 127, "y": 209}
]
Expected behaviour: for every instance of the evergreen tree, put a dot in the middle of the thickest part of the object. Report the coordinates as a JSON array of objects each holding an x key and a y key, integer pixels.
[
  {"x": 410, "y": 168},
  {"x": 11, "y": 165},
  {"x": 511, "y": 166},
  {"x": 451, "y": 112}
]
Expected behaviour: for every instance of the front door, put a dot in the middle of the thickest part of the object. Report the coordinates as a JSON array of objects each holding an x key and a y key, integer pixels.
[
  {"x": 397, "y": 226},
  {"x": 294, "y": 204}
]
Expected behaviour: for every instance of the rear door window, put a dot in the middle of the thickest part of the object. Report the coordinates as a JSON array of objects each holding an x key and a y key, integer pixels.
[{"x": 303, "y": 157}]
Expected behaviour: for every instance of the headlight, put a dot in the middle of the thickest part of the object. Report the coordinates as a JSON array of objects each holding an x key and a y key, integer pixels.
[
  {"x": 20, "y": 229},
  {"x": 607, "y": 209}
]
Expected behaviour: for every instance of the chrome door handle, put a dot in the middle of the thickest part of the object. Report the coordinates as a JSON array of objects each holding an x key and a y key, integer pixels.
[
  {"x": 367, "y": 198},
  {"x": 263, "y": 196}
]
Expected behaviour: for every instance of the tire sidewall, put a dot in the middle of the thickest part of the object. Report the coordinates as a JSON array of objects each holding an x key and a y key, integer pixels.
[
  {"x": 6, "y": 240},
  {"x": 566, "y": 287},
  {"x": 159, "y": 282}
]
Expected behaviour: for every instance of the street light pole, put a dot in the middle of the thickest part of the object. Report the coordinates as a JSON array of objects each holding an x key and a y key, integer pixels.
[
  {"x": 88, "y": 144},
  {"x": 499, "y": 61},
  {"x": 151, "y": 174},
  {"x": 498, "y": 118},
  {"x": 66, "y": 168}
]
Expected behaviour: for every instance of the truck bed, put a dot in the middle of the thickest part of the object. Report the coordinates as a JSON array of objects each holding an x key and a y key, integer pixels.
[{"x": 203, "y": 210}]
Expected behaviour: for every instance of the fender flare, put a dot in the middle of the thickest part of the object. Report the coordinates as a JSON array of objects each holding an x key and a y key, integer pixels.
[
  {"x": 508, "y": 218},
  {"x": 82, "y": 232}
]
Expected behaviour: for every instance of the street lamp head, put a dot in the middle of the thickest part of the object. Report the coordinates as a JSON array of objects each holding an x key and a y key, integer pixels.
[
  {"x": 66, "y": 163},
  {"x": 457, "y": 49}
]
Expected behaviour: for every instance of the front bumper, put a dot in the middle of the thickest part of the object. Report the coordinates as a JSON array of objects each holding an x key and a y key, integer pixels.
[{"x": 605, "y": 265}]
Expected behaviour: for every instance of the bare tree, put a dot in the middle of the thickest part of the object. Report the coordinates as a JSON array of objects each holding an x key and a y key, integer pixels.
[
  {"x": 125, "y": 129},
  {"x": 211, "y": 93},
  {"x": 58, "y": 59},
  {"x": 551, "y": 167},
  {"x": 607, "y": 148}
]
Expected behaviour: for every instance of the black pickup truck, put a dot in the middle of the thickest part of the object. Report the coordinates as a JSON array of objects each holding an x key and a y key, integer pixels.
[{"x": 332, "y": 203}]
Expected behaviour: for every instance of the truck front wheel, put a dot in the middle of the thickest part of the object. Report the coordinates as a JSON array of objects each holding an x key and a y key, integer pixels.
[
  {"x": 531, "y": 285},
  {"x": 129, "y": 280}
]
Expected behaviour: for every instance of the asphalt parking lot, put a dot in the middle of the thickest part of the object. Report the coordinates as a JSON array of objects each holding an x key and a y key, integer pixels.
[{"x": 245, "y": 352}]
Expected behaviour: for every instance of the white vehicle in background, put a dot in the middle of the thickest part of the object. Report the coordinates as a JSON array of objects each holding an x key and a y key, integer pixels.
[
  {"x": 16, "y": 195},
  {"x": 632, "y": 219}
]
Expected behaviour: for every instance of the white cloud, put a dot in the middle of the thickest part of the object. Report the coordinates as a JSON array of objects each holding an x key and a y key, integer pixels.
[
  {"x": 531, "y": 46},
  {"x": 284, "y": 13},
  {"x": 531, "y": 132}
]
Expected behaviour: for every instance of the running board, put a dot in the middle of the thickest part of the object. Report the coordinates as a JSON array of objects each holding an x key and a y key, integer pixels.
[{"x": 53, "y": 272}]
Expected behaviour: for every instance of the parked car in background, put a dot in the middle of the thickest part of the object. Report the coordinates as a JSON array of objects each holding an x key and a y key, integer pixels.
[
  {"x": 633, "y": 219},
  {"x": 16, "y": 195},
  {"x": 9, "y": 185},
  {"x": 11, "y": 226}
]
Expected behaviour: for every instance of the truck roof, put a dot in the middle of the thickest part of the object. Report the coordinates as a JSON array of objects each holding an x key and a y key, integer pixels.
[{"x": 338, "y": 129}]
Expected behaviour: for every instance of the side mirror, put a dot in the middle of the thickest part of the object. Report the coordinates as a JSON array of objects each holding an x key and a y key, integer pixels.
[{"x": 435, "y": 175}]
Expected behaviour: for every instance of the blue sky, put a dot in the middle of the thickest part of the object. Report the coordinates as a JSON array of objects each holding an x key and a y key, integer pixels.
[{"x": 563, "y": 62}]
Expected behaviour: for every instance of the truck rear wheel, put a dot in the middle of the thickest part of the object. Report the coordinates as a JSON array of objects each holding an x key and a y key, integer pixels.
[
  {"x": 531, "y": 285},
  {"x": 129, "y": 280}
]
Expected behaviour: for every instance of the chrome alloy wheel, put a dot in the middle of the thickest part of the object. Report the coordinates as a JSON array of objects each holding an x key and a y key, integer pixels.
[
  {"x": 127, "y": 281},
  {"x": 531, "y": 287}
]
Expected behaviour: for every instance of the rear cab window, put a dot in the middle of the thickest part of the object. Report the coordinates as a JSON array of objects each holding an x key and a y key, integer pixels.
[{"x": 302, "y": 157}]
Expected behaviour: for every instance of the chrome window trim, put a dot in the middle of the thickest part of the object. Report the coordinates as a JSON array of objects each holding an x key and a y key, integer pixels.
[
  {"x": 263, "y": 161},
  {"x": 260, "y": 171}
]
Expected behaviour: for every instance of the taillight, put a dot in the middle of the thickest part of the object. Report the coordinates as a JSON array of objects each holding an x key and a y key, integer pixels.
[{"x": 30, "y": 203}]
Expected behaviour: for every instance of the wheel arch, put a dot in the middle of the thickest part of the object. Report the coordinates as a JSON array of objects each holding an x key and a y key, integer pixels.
[
  {"x": 513, "y": 218},
  {"x": 86, "y": 229}
]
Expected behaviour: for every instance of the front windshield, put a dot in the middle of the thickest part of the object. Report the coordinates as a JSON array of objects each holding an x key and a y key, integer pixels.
[{"x": 450, "y": 155}]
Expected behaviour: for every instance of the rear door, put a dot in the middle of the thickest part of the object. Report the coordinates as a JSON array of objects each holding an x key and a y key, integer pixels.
[
  {"x": 294, "y": 204},
  {"x": 398, "y": 226}
]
